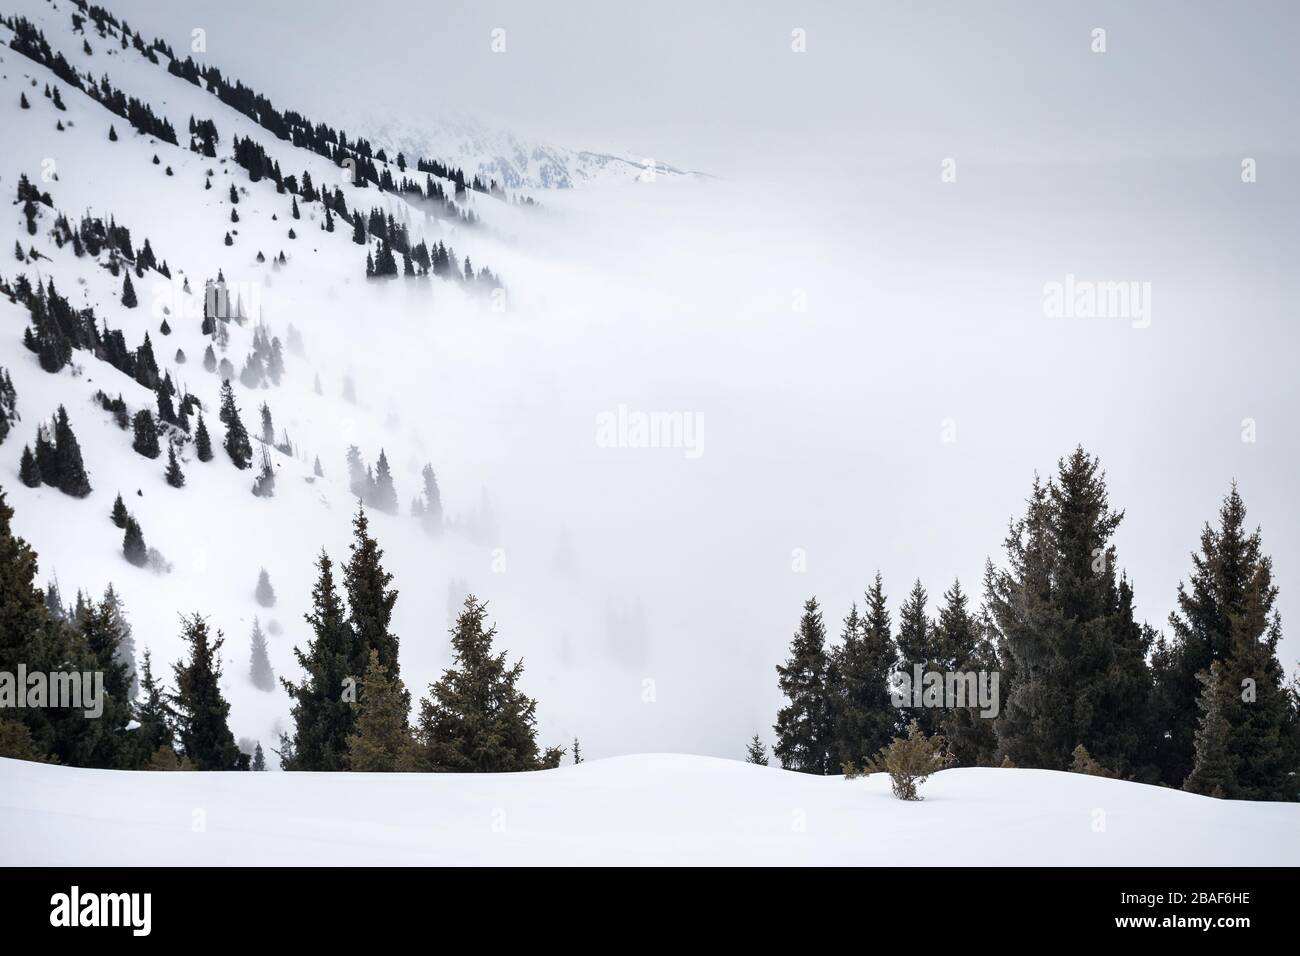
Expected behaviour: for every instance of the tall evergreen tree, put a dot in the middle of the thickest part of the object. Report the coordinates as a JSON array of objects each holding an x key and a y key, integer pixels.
[
  {"x": 200, "y": 707},
  {"x": 916, "y": 639},
  {"x": 153, "y": 713},
  {"x": 202, "y": 441},
  {"x": 264, "y": 593},
  {"x": 1214, "y": 771},
  {"x": 1070, "y": 651},
  {"x": 128, "y": 293},
  {"x": 865, "y": 718},
  {"x": 370, "y": 600},
  {"x": 323, "y": 716},
  {"x": 237, "y": 444},
  {"x": 259, "y": 668},
  {"x": 963, "y": 647},
  {"x": 175, "y": 477},
  {"x": 385, "y": 496},
  {"x": 476, "y": 719},
  {"x": 73, "y": 479},
  {"x": 805, "y": 726},
  {"x": 1226, "y": 610},
  {"x": 126, "y": 641},
  {"x": 145, "y": 434},
  {"x": 133, "y": 545}
]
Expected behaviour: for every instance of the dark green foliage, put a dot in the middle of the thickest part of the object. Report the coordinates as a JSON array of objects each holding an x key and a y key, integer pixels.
[
  {"x": 385, "y": 494},
  {"x": 201, "y": 709},
  {"x": 383, "y": 742},
  {"x": 28, "y": 471},
  {"x": 323, "y": 716},
  {"x": 175, "y": 477},
  {"x": 755, "y": 752},
  {"x": 128, "y": 293},
  {"x": 119, "y": 513},
  {"x": 476, "y": 720},
  {"x": 916, "y": 639},
  {"x": 73, "y": 479},
  {"x": 370, "y": 600},
  {"x": 202, "y": 441},
  {"x": 805, "y": 725},
  {"x": 237, "y": 444},
  {"x": 962, "y": 647},
  {"x": 1073, "y": 661},
  {"x": 1214, "y": 770},
  {"x": 145, "y": 432},
  {"x": 865, "y": 718}
]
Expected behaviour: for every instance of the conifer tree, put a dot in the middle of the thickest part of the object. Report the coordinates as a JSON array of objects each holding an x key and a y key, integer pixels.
[
  {"x": 202, "y": 441},
  {"x": 805, "y": 725},
  {"x": 264, "y": 593},
  {"x": 47, "y": 458},
  {"x": 28, "y": 471},
  {"x": 577, "y": 752},
  {"x": 370, "y": 600},
  {"x": 126, "y": 641},
  {"x": 476, "y": 720},
  {"x": 915, "y": 646},
  {"x": 756, "y": 751},
  {"x": 1214, "y": 771},
  {"x": 385, "y": 496},
  {"x": 963, "y": 648},
  {"x": 865, "y": 718},
  {"x": 108, "y": 745},
  {"x": 323, "y": 716},
  {"x": 133, "y": 544},
  {"x": 382, "y": 742},
  {"x": 128, "y": 293},
  {"x": 237, "y": 444},
  {"x": 259, "y": 668},
  {"x": 1227, "y": 610},
  {"x": 146, "y": 434},
  {"x": 119, "y": 513},
  {"x": 1073, "y": 661},
  {"x": 432, "y": 513},
  {"x": 200, "y": 707},
  {"x": 175, "y": 477}
]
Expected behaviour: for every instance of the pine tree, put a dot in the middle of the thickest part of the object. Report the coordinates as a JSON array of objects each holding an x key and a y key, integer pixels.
[
  {"x": 109, "y": 746},
  {"x": 128, "y": 293},
  {"x": 259, "y": 758},
  {"x": 370, "y": 600},
  {"x": 264, "y": 593},
  {"x": 323, "y": 716},
  {"x": 47, "y": 458},
  {"x": 146, "y": 434},
  {"x": 476, "y": 720},
  {"x": 805, "y": 726},
  {"x": 259, "y": 669},
  {"x": 133, "y": 544},
  {"x": 382, "y": 742},
  {"x": 756, "y": 752},
  {"x": 200, "y": 707},
  {"x": 175, "y": 477},
  {"x": 432, "y": 514},
  {"x": 577, "y": 752},
  {"x": 237, "y": 444},
  {"x": 202, "y": 441}
]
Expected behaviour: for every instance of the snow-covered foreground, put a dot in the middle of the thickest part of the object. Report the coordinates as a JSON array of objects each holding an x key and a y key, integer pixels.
[{"x": 642, "y": 809}]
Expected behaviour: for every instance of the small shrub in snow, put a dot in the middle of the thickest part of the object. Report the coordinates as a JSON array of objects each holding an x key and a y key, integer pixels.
[{"x": 909, "y": 761}]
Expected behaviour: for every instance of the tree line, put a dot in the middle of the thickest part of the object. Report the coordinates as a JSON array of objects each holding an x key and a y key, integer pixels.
[{"x": 1082, "y": 683}]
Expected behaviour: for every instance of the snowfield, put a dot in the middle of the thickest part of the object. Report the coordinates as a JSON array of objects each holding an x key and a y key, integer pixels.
[{"x": 656, "y": 809}]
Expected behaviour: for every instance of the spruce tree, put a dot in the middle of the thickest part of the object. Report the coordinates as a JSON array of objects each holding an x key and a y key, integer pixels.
[
  {"x": 1226, "y": 613},
  {"x": 126, "y": 641},
  {"x": 73, "y": 479},
  {"x": 133, "y": 546},
  {"x": 237, "y": 444},
  {"x": 432, "y": 514},
  {"x": 202, "y": 441},
  {"x": 1072, "y": 658},
  {"x": 1214, "y": 770},
  {"x": 370, "y": 600},
  {"x": 805, "y": 725},
  {"x": 259, "y": 668},
  {"x": 916, "y": 646},
  {"x": 323, "y": 716},
  {"x": 476, "y": 720},
  {"x": 128, "y": 293},
  {"x": 175, "y": 477},
  {"x": 264, "y": 593},
  {"x": 28, "y": 471},
  {"x": 47, "y": 458},
  {"x": 259, "y": 758},
  {"x": 145, "y": 434},
  {"x": 119, "y": 513},
  {"x": 382, "y": 742},
  {"x": 200, "y": 707},
  {"x": 865, "y": 718},
  {"x": 964, "y": 648},
  {"x": 756, "y": 752},
  {"x": 385, "y": 496}
]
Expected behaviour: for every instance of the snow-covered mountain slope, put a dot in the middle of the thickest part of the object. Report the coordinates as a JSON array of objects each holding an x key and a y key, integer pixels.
[
  {"x": 214, "y": 533},
  {"x": 644, "y": 809},
  {"x": 514, "y": 162}
]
